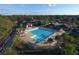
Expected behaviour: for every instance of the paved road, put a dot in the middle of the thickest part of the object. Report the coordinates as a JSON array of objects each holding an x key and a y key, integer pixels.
[{"x": 9, "y": 40}]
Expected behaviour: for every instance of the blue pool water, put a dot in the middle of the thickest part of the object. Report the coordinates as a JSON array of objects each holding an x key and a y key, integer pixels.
[{"x": 42, "y": 33}]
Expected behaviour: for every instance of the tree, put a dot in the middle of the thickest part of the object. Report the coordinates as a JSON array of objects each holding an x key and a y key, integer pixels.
[
  {"x": 50, "y": 40},
  {"x": 67, "y": 38},
  {"x": 6, "y": 25},
  {"x": 9, "y": 51},
  {"x": 17, "y": 42},
  {"x": 69, "y": 45},
  {"x": 57, "y": 37},
  {"x": 69, "y": 49}
]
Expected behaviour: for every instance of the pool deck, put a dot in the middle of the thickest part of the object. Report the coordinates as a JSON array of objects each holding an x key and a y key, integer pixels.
[
  {"x": 41, "y": 45},
  {"x": 27, "y": 38}
]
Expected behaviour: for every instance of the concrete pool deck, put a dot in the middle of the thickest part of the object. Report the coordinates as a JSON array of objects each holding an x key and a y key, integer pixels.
[{"x": 27, "y": 38}]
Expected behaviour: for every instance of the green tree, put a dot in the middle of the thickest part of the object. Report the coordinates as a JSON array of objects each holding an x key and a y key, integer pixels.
[
  {"x": 17, "y": 42},
  {"x": 6, "y": 25},
  {"x": 69, "y": 45},
  {"x": 67, "y": 38},
  {"x": 10, "y": 51},
  {"x": 69, "y": 49},
  {"x": 50, "y": 40}
]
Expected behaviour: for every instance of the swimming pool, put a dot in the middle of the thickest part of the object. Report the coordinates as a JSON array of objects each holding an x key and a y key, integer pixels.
[{"x": 41, "y": 33}]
